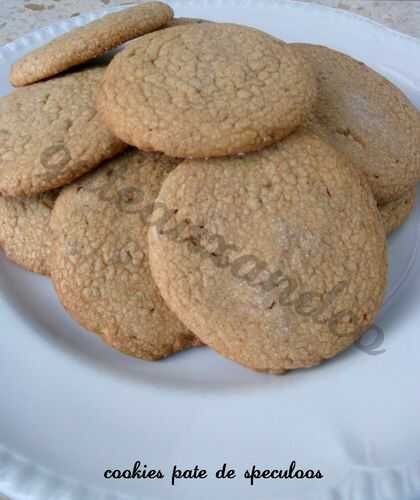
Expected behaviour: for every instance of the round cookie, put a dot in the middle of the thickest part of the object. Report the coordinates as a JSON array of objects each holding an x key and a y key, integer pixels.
[
  {"x": 180, "y": 21},
  {"x": 25, "y": 234},
  {"x": 203, "y": 90},
  {"x": 366, "y": 117},
  {"x": 395, "y": 213},
  {"x": 100, "y": 266},
  {"x": 277, "y": 259},
  {"x": 90, "y": 41},
  {"x": 50, "y": 133}
]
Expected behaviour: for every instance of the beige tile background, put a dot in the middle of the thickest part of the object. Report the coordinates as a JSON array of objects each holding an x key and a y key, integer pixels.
[{"x": 21, "y": 16}]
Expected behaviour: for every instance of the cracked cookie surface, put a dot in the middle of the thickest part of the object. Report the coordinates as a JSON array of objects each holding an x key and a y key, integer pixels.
[
  {"x": 203, "y": 90},
  {"x": 50, "y": 133},
  {"x": 180, "y": 21},
  {"x": 25, "y": 234},
  {"x": 395, "y": 213},
  {"x": 90, "y": 41},
  {"x": 99, "y": 264},
  {"x": 368, "y": 118},
  {"x": 276, "y": 259}
]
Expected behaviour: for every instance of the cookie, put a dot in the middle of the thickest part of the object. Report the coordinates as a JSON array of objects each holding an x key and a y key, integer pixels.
[
  {"x": 365, "y": 116},
  {"x": 204, "y": 90},
  {"x": 100, "y": 266},
  {"x": 90, "y": 41},
  {"x": 25, "y": 234},
  {"x": 180, "y": 21},
  {"x": 277, "y": 259},
  {"x": 395, "y": 213},
  {"x": 50, "y": 133}
]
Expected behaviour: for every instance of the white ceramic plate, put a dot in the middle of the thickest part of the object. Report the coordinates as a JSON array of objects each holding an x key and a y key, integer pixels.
[{"x": 71, "y": 408}]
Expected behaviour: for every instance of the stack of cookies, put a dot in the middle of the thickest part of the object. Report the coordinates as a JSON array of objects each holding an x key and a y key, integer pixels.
[{"x": 211, "y": 185}]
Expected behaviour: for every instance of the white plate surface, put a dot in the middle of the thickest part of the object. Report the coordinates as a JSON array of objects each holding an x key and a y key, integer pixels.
[{"x": 70, "y": 407}]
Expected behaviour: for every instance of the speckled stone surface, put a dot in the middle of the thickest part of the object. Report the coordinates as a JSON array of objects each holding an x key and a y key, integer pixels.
[{"x": 21, "y": 16}]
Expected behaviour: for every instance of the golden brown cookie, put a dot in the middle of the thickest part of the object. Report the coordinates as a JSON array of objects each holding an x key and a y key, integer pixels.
[
  {"x": 366, "y": 117},
  {"x": 204, "y": 90},
  {"x": 100, "y": 265},
  {"x": 50, "y": 133},
  {"x": 180, "y": 21},
  {"x": 90, "y": 41},
  {"x": 277, "y": 259},
  {"x": 25, "y": 234},
  {"x": 395, "y": 213}
]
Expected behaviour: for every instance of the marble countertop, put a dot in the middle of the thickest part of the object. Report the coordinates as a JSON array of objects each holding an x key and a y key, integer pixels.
[{"x": 21, "y": 16}]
